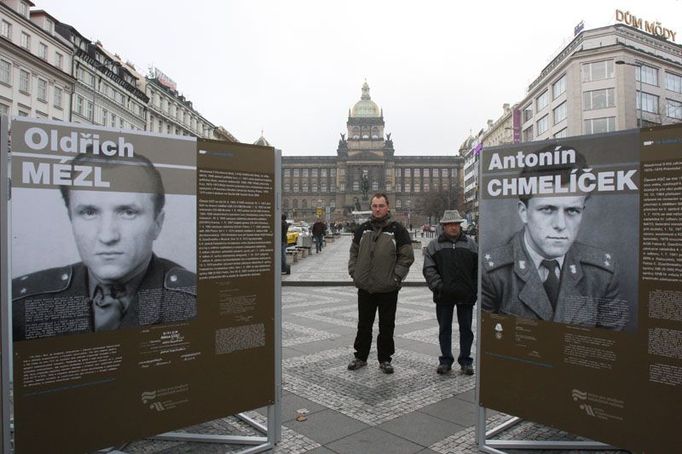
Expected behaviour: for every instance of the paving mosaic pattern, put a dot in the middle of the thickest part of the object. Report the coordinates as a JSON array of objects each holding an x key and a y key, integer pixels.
[
  {"x": 347, "y": 315},
  {"x": 292, "y": 442},
  {"x": 369, "y": 395},
  {"x": 293, "y": 334}
]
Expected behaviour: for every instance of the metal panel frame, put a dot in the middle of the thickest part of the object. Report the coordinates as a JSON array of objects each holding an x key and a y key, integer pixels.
[{"x": 5, "y": 316}]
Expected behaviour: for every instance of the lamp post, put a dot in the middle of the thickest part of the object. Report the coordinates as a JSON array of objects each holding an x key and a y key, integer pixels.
[{"x": 640, "y": 120}]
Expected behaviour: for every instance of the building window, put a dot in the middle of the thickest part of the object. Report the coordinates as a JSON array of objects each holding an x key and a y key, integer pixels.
[
  {"x": 287, "y": 172},
  {"x": 42, "y": 51},
  {"x": 304, "y": 173},
  {"x": 543, "y": 125},
  {"x": 25, "y": 40},
  {"x": 597, "y": 70},
  {"x": 559, "y": 87},
  {"x": 673, "y": 82},
  {"x": 6, "y": 30},
  {"x": 674, "y": 109},
  {"x": 48, "y": 26},
  {"x": 4, "y": 109},
  {"x": 287, "y": 187},
  {"x": 542, "y": 101},
  {"x": 295, "y": 187},
  {"x": 356, "y": 186},
  {"x": 648, "y": 75},
  {"x": 561, "y": 134},
  {"x": 314, "y": 187},
  {"x": 304, "y": 187},
  {"x": 599, "y": 125},
  {"x": 24, "y": 81},
  {"x": 436, "y": 172},
  {"x": 527, "y": 112},
  {"x": 79, "y": 104},
  {"x": 42, "y": 90},
  {"x": 296, "y": 172},
  {"x": 528, "y": 134},
  {"x": 5, "y": 72},
  {"x": 323, "y": 173},
  {"x": 649, "y": 102},
  {"x": 58, "y": 60},
  {"x": 89, "y": 110},
  {"x": 23, "y": 113},
  {"x": 23, "y": 9},
  {"x": 560, "y": 113},
  {"x": 407, "y": 172},
  {"x": 416, "y": 172},
  {"x": 598, "y": 99},
  {"x": 426, "y": 173}
]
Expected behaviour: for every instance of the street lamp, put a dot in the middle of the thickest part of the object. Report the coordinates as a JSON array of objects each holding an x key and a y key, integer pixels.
[{"x": 640, "y": 120}]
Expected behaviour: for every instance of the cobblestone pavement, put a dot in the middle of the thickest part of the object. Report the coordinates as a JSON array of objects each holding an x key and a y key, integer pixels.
[{"x": 364, "y": 411}]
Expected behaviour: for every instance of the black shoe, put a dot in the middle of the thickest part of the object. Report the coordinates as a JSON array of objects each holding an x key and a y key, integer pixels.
[
  {"x": 468, "y": 370},
  {"x": 443, "y": 369},
  {"x": 356, "y": 364},
  {"x": 386, "y": 367}
]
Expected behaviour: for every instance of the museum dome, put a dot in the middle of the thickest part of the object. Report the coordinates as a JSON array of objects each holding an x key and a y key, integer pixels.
[
  {"x": 262, "y": 141},
  {"x": 365, "y": 108}
]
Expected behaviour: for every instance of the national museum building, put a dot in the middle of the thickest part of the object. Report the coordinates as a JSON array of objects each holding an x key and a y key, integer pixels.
[{"x": 365, "y": 163}]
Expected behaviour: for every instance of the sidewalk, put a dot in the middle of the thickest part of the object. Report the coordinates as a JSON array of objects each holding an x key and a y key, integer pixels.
[{"x": 328, "y": 409}]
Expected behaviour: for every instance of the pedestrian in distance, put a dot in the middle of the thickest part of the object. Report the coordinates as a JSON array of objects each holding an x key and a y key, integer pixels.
[
  {"x": 285, "y": 229},
  {"x": 451, "y": 272},
  {"x": 319, "y": 228},
  {"x": 380, "y": 258}
]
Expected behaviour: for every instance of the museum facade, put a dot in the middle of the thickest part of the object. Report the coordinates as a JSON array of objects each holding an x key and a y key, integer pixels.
[{"x": 365, "y": 163}]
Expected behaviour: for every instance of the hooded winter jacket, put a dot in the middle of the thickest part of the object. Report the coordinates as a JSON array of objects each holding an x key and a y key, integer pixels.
[
  {"x": 380, "y": 255},
  {"x": 451, "y": 269}
]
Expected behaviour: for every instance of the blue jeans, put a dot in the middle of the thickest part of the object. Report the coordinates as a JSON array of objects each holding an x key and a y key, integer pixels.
[
  {"x": 444, "y": 313},
  {"x": 285, "y": 268},
  {"x": 318, "y": 242}
]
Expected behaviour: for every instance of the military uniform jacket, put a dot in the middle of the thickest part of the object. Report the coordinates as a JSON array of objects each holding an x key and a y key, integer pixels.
[
  {"x": 56, "y": 301},
  {"x": 588, "y": 290},
  {"x": 451, "y": 269}
]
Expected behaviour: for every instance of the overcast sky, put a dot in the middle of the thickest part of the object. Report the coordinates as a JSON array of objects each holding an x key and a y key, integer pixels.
[{"x": 293, "y": 68}]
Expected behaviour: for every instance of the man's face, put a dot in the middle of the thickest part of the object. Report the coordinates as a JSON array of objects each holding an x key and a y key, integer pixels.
[
  {"x": 552, "y": 223},
  {"x": 452, "y": 229},
  {"x": 114, "y": 231},
  {"x": 379, "y": 207}
]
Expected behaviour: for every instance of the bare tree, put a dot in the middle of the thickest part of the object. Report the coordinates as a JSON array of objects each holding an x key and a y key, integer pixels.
[{"x": 434, "y": 203}]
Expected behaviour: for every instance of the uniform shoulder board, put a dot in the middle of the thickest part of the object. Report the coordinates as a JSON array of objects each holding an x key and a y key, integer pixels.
[
  {"x": 502, "y": 256},
  {"x": 594, "y": 256},
  {"x": 52, "y": 280},
  {"x": 181, "y": 280}
]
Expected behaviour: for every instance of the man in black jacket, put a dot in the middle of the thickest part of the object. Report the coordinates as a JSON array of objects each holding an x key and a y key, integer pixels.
[{"x": 451, "y": 272}]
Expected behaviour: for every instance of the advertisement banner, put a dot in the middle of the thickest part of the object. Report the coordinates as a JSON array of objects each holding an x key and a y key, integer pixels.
[
  {"x": 131, "y": 312},
  {"x": 580, "y": 285}
]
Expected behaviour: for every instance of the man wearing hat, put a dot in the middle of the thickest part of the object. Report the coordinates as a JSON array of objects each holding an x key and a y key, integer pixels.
[{"x": 451, "y": 272}]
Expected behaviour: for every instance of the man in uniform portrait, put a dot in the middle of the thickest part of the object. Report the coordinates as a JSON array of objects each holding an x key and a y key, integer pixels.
[
  {"x": 119, "y": 281},
  {"x": 543, "y": 273}
]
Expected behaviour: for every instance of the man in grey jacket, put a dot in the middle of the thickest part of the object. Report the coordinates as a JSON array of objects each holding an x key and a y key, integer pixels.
[{"x": 380, "y": 258}]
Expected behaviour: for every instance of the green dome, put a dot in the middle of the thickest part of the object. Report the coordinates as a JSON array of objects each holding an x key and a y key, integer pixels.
[{"x": 365, "y": 108}]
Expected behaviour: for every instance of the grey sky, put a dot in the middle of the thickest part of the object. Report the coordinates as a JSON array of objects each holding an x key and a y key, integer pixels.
[{"x": 439, "y": 69}]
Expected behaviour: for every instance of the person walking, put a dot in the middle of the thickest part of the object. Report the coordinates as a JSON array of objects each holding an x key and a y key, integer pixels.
[
  {"x": 451, "y": 272},
  {"x": 380, "y": 258},
  {"x": 319, "y": 228}
]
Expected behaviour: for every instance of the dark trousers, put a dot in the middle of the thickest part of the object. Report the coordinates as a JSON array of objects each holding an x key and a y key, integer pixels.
[
  {"x": 319, "y": 239},
  {"x": 444, "y": 314},
  {"x": 285, "y": 267},
  {"x": 368, "y": 303}
]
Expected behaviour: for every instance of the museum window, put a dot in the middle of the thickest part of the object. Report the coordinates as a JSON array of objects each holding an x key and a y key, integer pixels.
[
  {"x": 296, "y": 172},
  {"x": 426, "y": 186},
  {"x": 436, "y": 172},
  {"x": 304, "y": 173},
  {"x": 597, "y": 70},
  {"x": 304, "y": 187},
  {"x": 295, "y": 187},
  {"x": 295, "y": 203},
  {"x": 287, "y": 187},
  {"x": 674, "y": 109},
  {"x": 649, "y": 102},
  {"x": 315, "y": 187},
  {"x": 417, "y": 172},
  {"x": 600, "y": 125},
  {"x": 598, "y": 99},
  {"x": 407, "y": 172},
  {"x": 287, "y": 172},
  {"x": 356, "y": 186},
  {"x": 427, "y": 173},
  {"x": 324, "y": 187},
  {"x": 559, "y": 87},
  {"x": 375, "y": 185},
  {"x": 323, "y": 173},
  {"x": 673, "y": 82}
]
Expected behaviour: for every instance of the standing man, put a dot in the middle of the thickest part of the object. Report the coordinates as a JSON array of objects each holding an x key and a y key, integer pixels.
[
  {"x": 451, "y": 271},
  {"x": 319, "y": 228},
  {"x": 380, "y": 257},
  {"x": 285, "y": 242}
]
